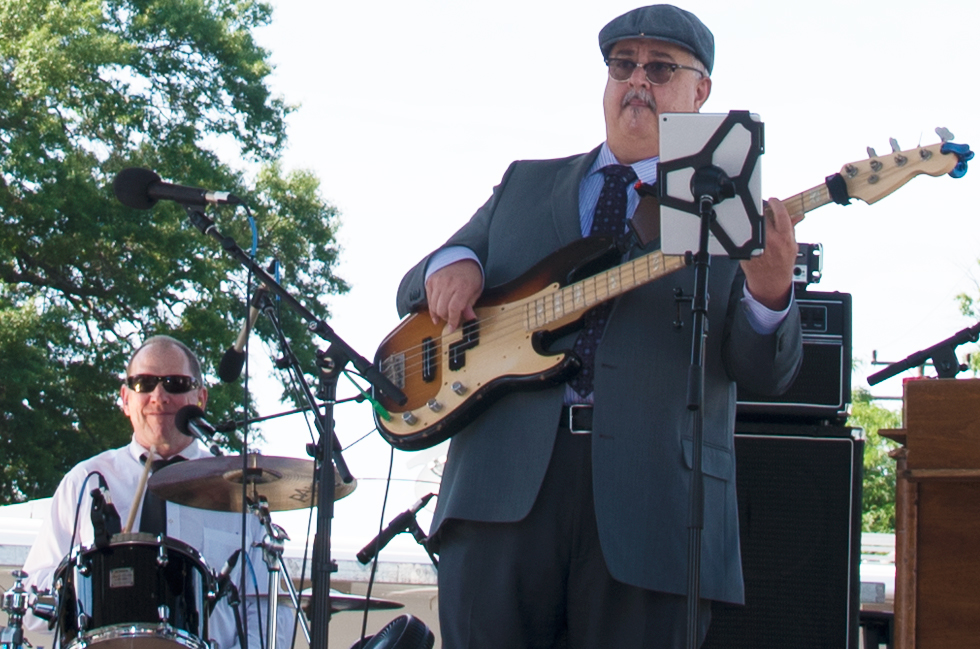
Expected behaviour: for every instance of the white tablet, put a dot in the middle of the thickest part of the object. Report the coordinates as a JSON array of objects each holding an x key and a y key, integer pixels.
[{"x": 731, "y": 141}]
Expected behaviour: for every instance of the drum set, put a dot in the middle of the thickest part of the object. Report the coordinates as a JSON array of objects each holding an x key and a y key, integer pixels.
[{"x": 145, "y": 591}]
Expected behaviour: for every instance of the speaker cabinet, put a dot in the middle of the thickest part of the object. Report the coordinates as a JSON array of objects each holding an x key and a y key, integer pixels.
[
  {"x": 799, "y": 505},
  {"x": 822, "y": 389}
]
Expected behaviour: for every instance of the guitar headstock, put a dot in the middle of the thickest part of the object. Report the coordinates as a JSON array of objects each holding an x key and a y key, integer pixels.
[{"x": 878, "y": 176}]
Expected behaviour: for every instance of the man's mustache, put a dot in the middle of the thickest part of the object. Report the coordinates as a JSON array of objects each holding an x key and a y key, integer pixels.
[{"x": 641, "y": 94}]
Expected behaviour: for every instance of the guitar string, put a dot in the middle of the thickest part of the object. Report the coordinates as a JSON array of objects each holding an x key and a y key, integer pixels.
[
  {"x": 551, "y": 307},
  {"x": 535, "y": 312}
]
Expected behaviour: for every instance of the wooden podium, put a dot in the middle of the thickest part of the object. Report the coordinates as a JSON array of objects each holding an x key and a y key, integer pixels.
[{"x": 937, "y": 507}]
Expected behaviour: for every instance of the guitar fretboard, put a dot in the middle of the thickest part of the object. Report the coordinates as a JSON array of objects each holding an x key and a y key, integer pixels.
[{"x": 585, "y": 294}]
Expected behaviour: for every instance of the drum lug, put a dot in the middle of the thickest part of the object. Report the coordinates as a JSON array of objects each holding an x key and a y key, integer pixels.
[
  {"x": 83, "y": 566},
  {"x": 162, "y": 556},
  {"x": 163, "y": 612}
]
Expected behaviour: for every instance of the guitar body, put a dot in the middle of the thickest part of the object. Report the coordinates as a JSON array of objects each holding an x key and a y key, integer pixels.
[{"x": 450, "y": 378}]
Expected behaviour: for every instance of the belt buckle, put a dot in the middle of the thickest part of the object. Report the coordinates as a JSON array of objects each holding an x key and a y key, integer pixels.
[{"x": 571, "y": 418}]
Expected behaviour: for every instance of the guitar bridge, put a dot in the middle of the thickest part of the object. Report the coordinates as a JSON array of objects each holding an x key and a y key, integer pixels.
[{"x": 393, "y": 367}]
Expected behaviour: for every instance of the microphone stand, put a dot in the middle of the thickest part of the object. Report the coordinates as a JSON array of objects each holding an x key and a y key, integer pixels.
[
  {"x": 709, "y": 186},
  {"x": 943, "y": 355},
  {"x": 340, "y": 354}
]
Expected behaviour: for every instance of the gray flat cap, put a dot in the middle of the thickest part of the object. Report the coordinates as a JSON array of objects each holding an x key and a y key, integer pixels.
[{"x": 664, "y": 23}]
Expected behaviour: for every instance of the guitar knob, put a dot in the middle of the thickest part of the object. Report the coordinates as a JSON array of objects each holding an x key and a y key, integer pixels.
[
  {"x": 434, "y": 405},
  {"x": 459, "y": 388},
  {"x": 409, "y": 418}
]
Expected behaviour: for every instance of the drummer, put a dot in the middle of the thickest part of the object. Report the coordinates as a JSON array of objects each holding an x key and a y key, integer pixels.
[{"x": 163, "y": 375}]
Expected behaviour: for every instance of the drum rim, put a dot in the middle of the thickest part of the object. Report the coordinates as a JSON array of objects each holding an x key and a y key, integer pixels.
[
  {"x": 137, "y": 539},
  {"x": 137, "y": 630}
]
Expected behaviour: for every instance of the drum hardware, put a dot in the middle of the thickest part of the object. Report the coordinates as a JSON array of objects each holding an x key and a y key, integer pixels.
[
  {"x": 272, "y": 547},
  {"x": 16, "y": 602}
]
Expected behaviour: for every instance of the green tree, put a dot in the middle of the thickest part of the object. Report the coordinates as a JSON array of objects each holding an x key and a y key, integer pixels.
[
  {"x": 971, "y": 309},
  {"x": 88, "y": 88},
  {"x": 878, "y": 500}
]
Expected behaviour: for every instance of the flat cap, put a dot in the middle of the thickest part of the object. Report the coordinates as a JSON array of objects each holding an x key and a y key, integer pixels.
[{"x": 664, "y": 23}]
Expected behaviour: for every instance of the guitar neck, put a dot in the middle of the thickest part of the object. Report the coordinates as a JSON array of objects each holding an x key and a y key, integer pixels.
[
  {"x": 807, "y": 201},
  {"x": 580, "y": 296}
]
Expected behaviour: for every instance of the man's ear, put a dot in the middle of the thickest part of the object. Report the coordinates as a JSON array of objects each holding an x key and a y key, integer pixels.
[
  {"x": 702, "y": 93},
  {"x": 124, "y": 400}
]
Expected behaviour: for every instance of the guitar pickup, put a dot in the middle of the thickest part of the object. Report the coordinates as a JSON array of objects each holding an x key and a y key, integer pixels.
[{"x": 457, "y": 350}]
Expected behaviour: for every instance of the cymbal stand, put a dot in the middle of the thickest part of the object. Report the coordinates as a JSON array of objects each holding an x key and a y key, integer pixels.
[
  {"x": 272, "y": 546},
  {"x": 328, "y": 449}
]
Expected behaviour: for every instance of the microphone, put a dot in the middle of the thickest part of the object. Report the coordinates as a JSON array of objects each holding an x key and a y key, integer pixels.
[
  {"x": 234, "y": 359},
  {"x": 398, "y": 525},
  {"x": 105, "y": 518},
  {"x": 223, "y": 578},
  {"x": 190, "y": 421},
  {"x": 141, "y": 189}
]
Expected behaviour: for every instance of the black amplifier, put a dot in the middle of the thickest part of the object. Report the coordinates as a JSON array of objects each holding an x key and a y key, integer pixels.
[{"x": 822, "y": 389}]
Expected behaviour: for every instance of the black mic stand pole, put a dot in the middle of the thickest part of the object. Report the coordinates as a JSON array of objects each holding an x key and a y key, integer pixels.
[
  {"x": 710, "y": 185},
  {"x": 942, "y": 354},
  {"x": 322, "y": 564},
  {"x": 324, "y": 422}
]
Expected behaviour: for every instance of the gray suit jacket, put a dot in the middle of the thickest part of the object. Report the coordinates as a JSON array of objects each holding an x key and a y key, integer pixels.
[{"x": 641, "y": 441}]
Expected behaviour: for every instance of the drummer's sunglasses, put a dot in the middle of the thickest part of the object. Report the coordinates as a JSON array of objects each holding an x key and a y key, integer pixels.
[{"x": 174, "y": 384}]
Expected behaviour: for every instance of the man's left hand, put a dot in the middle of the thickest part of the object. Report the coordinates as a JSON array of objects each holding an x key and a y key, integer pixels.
[{"x": 769, "y": 276}]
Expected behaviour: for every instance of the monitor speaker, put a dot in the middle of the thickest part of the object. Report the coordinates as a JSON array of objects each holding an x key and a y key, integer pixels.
[
  {"x": 799, "y": 505},
  {"x": 822, "y": 389}
]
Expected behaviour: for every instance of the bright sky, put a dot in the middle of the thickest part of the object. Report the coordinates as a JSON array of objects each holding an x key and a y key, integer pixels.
[{"x": 410, "y": 112}]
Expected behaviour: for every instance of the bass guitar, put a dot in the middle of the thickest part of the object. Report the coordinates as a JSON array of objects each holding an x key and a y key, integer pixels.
[{"x": 450, "y": 378}]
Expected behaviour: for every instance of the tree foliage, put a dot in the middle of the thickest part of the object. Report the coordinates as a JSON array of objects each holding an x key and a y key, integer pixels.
[
  {"x": 971, "y": 309},
  {"x": 878, "y": 500},
  {"x": 88, "y": 88}
]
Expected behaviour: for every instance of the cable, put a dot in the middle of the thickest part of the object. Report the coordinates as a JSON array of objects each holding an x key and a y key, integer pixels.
[{"x": 381, "y": 525}]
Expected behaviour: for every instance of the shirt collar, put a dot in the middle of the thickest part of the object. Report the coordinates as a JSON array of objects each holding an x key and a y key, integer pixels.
[
  {"x": 193, "y": 452},
  {"x": 646, "y": 170}
]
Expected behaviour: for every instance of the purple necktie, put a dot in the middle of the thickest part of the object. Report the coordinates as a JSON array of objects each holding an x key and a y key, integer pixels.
[{"x": 609, "y": 220}]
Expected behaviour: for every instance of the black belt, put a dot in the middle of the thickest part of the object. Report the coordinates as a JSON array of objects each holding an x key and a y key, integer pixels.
[{"x": 577, "y": 419}]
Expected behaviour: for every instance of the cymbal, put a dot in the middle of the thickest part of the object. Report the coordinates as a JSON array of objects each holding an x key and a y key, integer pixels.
[
  {"x": 342, "y": 602},
  {"x": 215, "y": 483}
]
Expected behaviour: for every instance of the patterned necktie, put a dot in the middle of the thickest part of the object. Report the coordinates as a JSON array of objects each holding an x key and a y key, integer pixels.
[
  {"x": 609, "y": 220},
  {"x": 153, "y": 516}
]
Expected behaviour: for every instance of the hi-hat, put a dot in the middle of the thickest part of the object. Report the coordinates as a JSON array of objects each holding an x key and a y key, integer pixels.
[
  {"x": 215, "y": 483},
  {"x": 342, "y": 602}
]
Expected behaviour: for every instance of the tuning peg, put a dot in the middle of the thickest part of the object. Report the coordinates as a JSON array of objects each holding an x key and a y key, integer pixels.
[
  {"x": 895, "y": 148},
  {"x": 871, "y": 153},
  {"x": 944, "y": 134}
]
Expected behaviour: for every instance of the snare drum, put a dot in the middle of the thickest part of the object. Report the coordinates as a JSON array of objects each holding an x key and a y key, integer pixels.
[{"x": 139, "y": 592}]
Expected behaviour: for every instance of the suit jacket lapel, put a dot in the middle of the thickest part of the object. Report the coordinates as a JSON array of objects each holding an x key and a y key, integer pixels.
[{"x": 564, "y": 196}]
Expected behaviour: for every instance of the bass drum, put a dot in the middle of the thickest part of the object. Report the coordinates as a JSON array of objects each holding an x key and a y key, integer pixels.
[{"x": 139, "y": 592}]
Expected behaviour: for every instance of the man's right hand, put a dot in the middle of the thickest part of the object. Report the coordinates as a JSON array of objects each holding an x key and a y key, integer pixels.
[{"x": 452, "y": 291}]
